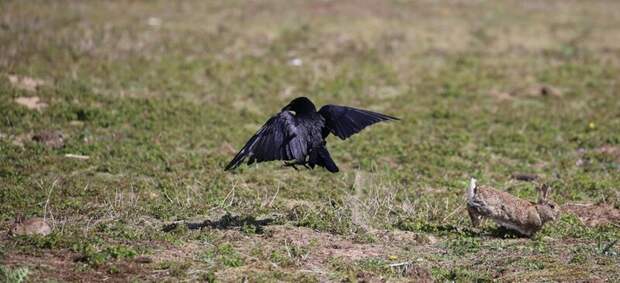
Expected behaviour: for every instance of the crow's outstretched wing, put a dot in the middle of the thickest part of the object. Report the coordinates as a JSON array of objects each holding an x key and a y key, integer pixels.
[
  {"x": 345, "y": 121},
  {"x": 279, "y": 139}
]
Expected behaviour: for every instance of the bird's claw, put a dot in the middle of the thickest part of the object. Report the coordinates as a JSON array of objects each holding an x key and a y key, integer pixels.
[{"x": 292, "y": 164}]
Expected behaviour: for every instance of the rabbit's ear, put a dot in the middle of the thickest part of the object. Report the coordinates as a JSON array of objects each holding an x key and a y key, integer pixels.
[
  {"x": 471, "y": 191},
  {"x": 19, "y": 217},
  {"x": 472, "y": 183},
  {"x": 543, "y": 193}
]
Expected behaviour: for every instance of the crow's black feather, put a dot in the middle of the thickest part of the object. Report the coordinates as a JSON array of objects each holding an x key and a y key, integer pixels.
[
  {"x": 344, "y": 121},
  {"x": 298, "y": 133},
  {"x": 278, "y": 139}
]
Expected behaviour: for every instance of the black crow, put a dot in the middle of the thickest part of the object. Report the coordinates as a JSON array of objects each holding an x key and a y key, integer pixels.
[{"x": 298, "y": 133}]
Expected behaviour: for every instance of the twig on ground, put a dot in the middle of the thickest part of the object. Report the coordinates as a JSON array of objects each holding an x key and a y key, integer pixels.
[
  {"x": 392, "y": 265},
  {"x": 77, "y": 156}
]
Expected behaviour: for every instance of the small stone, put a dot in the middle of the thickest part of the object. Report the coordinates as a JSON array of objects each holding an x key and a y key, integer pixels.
[
  {"x": 32, "y": 226},
  {"x": 154, "y": 21},
  {"x": 296, "y": 62}
]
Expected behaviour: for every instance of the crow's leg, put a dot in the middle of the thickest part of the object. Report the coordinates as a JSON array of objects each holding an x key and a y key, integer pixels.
[
  {"x": 291, "y": 164},
  {"x": 296, "y": 162}
]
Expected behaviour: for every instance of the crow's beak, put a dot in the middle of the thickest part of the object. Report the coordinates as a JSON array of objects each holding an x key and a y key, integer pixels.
[{"x": 286, "y": 108}]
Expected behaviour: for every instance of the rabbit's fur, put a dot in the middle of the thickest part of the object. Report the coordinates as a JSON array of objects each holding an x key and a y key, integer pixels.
[
  {"x": 509, "y": 211},
  {"x": 32, "y": 226}
]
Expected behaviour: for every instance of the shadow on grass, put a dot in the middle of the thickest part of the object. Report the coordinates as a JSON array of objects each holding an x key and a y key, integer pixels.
[
  {"x": 503, "y": 233},
  {"x": 227, "y": 221},
  {"x": 438, "y": 229},
  {"x": 447, "y": 229}
]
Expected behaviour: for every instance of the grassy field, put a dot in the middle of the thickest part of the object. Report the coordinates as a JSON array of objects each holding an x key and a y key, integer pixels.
[{"x": 160, "y": 95}]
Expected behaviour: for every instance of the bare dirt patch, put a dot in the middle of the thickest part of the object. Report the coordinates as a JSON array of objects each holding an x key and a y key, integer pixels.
[
  {"x": 538, "y": 90},
  {"x": 314, "y": 252},
  {"x": 611, "y": 151},
  {"x": 168, "y": 252},
  {"x": 327, "y": 245},
  {"x": 532, "y": 91},
  {"x": 31, "y": 102},
  {"x": 26, "y": 83},
  {"x": 61, "y": 266},
  {"x": 595, "y": 215},
  {"x": 419, "y": 274}
]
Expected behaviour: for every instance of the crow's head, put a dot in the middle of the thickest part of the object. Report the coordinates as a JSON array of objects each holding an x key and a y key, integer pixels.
[{"x": 300, "y": 105}]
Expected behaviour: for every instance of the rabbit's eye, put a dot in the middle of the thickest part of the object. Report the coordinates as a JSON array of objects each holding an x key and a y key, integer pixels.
[{"x": 552, "y": 206}]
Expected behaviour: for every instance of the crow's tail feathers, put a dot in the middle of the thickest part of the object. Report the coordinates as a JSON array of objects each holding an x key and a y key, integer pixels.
[{"x": 323, "y": 159}]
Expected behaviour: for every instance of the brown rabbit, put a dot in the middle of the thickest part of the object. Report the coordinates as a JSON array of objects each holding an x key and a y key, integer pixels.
[
  {"x": 32, "y": 226},
  {"x": 509, "y": 211}
]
